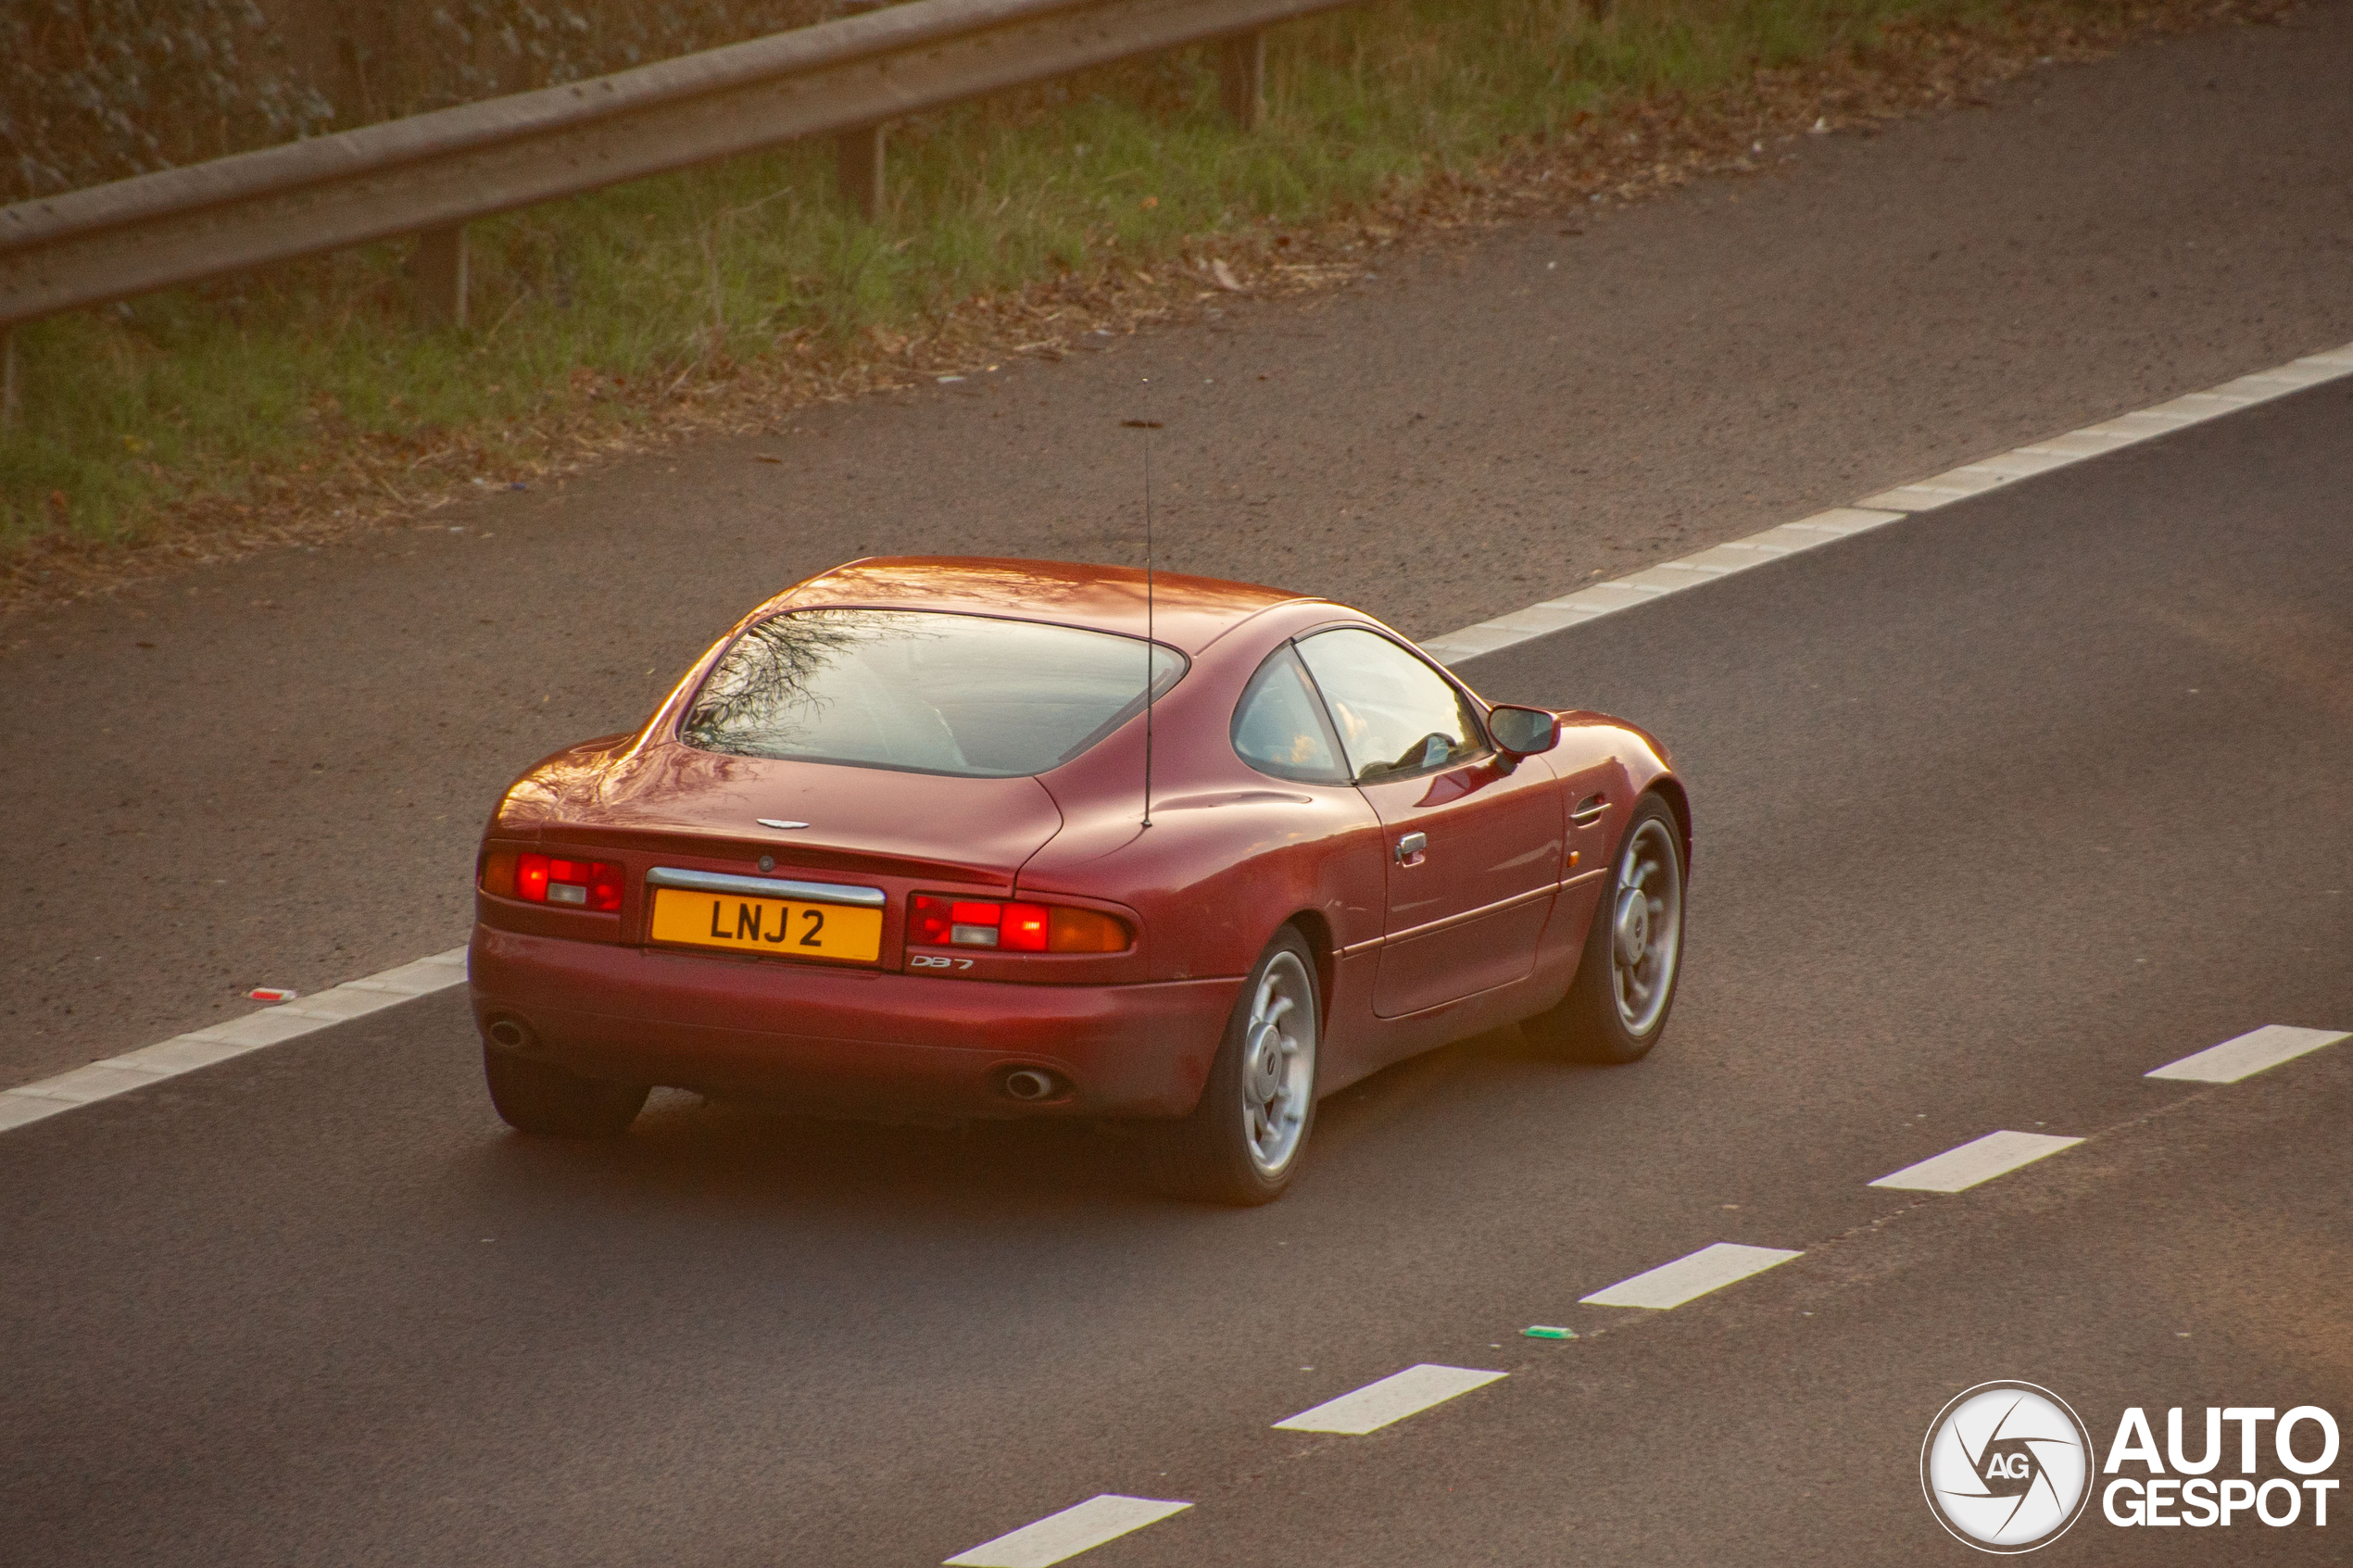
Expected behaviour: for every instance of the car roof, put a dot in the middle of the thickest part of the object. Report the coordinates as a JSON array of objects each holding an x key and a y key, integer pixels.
[{"x": 1187, "y": 612}]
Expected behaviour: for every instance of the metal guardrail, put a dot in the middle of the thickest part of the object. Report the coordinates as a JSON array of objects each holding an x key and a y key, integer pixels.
[{"x": 430, "y": 173}]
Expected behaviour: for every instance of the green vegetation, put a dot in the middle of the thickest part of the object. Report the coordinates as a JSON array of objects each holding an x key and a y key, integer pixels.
[
  {"x": 100, "y": 89},
  {"x": 236, "y": 390}
]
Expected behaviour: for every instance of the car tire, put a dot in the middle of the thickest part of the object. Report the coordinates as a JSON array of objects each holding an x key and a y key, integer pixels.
[
  {"x": 1616, "y": 1006},
  {"x": 539, "y": 1096},
  {"x": 1243, "y": 1142}
]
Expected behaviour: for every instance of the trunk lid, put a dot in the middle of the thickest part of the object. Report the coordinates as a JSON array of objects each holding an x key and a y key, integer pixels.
[{"x": 672, "y": 804}]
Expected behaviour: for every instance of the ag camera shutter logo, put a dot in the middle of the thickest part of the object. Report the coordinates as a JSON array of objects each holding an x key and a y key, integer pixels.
[{"x": 2006, "y": 1467}]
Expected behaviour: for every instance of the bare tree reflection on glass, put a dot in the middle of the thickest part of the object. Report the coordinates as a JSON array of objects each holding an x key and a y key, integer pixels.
[{"x": 772, "y": 672}]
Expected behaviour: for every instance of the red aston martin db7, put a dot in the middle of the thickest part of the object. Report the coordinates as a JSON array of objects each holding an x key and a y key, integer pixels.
[{"x": 956, "y": 838}]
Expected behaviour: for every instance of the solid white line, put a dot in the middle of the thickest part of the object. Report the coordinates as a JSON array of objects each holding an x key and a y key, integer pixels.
[
  {"x": 1980, "y": 1159},
  {"x": 2247, "y": 1055},
  {"x": 1067, "y": 1533},
  {"x": 1920, "y": 496},
  {"x": 1671, "y": 1284},
  {"x": 185, "y": 1053},
  {"x": 1394, "y": 1397}
]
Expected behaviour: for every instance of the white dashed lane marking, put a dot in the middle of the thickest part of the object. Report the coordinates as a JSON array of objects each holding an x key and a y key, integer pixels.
[
  {"x": 185, "y": 1053},
  {"x": 1393, "y": 1399},
  {"x": 2247, "y": 1055},
  {"x": 1671, "y": 1284},
  {"x": 1889, "y": 505},
  {"x": 1980, "y": 1159},
  {"x": 1067, "y": 1533}
]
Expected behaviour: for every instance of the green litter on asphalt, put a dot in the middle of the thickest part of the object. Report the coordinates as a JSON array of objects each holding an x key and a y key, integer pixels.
[{"x": 1544, "y": 1330}]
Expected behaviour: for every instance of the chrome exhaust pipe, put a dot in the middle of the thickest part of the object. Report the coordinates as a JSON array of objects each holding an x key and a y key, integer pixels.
[{"x": 1031, "y": 1084}]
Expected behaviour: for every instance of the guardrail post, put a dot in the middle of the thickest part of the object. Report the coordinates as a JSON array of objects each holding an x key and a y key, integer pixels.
[
  {"x": 9, "y": 404},
  {"x": 860, "y": 168},
  {"x": 437, "y": 273},
  {"x": 1242, "y": 78}
]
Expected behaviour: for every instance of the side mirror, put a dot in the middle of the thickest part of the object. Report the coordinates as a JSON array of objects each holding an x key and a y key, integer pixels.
[{"x": 1523, "y": 732}]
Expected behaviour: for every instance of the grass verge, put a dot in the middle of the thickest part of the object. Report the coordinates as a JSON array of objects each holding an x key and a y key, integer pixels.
[{"x": 301, "y": 404}]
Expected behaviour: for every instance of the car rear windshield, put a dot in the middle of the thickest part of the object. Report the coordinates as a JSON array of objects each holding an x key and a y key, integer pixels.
[{"x": 922, "y": 690}]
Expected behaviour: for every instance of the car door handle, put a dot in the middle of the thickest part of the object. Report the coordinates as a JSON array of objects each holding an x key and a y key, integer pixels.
[
  {"x": 1589, "y": 810},
  {"x": 1410, "y": 847}
]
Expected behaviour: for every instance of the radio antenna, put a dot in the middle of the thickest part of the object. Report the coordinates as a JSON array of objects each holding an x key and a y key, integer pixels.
[{"x": 1150, "y": 647}]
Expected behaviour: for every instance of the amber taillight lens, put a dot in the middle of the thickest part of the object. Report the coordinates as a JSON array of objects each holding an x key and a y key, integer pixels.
[
  {"x": 937, "y": 920},
  {"x": 1086, "y": 930},
  {"x": 553, "y": 879}
]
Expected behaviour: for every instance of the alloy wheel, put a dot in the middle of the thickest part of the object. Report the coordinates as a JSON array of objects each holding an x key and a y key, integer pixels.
[
  {"x": 1647, "y": 926},
  {"x": 1278, "y": 1063}
]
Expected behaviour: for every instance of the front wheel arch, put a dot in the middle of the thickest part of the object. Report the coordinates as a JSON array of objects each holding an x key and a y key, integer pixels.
[
  {"x": 1669, "y": 788},
  {"x": 1588, "y": 1023}
]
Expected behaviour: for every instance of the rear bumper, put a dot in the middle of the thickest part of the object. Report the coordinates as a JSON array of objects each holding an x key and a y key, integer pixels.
[{"x": 857, "y": 1041}]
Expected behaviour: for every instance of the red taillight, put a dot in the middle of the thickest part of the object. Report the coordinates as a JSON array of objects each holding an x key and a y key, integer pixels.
[
  {"x": 929, "y": 920},
  {"x": 1023, "y": 928},
  {"x": 936, "y": 921},
  {"x": 551, "y": 879}
]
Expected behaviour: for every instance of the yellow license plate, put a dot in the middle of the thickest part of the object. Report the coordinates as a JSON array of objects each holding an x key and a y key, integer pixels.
[{"x": 779, "y": 926}]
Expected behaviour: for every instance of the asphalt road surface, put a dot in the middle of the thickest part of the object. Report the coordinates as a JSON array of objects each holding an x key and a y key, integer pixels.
[
  {"x": 273, "y": 774},
  {"x": 1998, "y": 807}
]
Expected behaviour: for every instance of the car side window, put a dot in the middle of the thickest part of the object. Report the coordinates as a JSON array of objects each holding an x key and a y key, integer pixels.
[
  {"x": 1395, "y": 714},
  {"x": 1280, "y": 726}
]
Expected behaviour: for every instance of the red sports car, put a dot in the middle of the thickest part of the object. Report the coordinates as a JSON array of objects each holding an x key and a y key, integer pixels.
[{"x": 956, "y": 838}]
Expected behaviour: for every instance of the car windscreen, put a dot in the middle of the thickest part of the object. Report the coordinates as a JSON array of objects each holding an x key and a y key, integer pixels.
[{"x": 922, "y": 690}]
